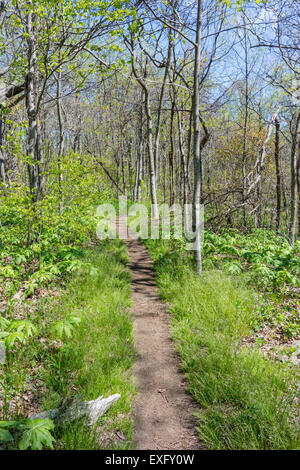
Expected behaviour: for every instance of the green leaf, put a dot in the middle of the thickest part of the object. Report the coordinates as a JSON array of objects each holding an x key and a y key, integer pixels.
[
  {"x": 9, "y": 424},
  {"x": 234, "y": 267},
  {"x": 3, "y": 322},
  {"x": 74, "y": 320},
  {"x": 5, "y": 435},
  {"x": 12, "y": 338},
  {"x": 37, "y": 434},
  {"x": 26, "y": 326},
  {"x": 63, "y": 329}
]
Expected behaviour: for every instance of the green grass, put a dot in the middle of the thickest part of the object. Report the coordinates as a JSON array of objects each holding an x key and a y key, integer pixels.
[
  {"x": 246, "y": 400},
  {"x": 95, "y": 361}
]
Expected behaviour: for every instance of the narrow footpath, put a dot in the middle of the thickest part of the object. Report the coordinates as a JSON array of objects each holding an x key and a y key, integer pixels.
[{"x": 163, "y": 409}]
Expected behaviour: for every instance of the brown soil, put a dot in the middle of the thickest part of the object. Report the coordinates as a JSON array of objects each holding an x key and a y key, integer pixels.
[{"x": 163, "y": 410}]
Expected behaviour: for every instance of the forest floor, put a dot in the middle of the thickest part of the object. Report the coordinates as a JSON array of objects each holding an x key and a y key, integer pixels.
[{"x": 164, "y": 411}]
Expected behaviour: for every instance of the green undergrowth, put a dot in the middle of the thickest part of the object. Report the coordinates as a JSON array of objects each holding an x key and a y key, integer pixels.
[
  {"x": 82, "y": 348},
  {"x": 246, "y": 401}
]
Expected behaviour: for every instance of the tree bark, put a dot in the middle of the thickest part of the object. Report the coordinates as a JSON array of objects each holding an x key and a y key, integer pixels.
[
  {"x": 93, "y": 409},
  {"x": 140, "y": 160},
  {"x": 152, "y": 172},
  {"x": 33, "y": 145},
  {"x": 196, "y": 142},
  {"x": 298, "y": 186},
  {"x": 294, "y": 157},
  {"x": 153, "y": 189},
  {"x": 183, "y": 163},
  {"x": 159, "y": 113},
  {"x": 278, "y": 175},
  {"x": 245, "y": 129},
  {"x": 61, "y": 143},
  {"x": 171, "y": 153},
  {"x": 11, "y": 91},
  {"x": 2, "y": 155}
]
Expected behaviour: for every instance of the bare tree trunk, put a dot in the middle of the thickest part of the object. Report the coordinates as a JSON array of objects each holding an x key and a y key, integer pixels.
[
  {"x": 165, "y": 179},
  {"x": 183, "y": 159},
  {"x": 259, "y": 199},
  {"x": 33, "y": 135},
  {"x": 284, "y": 201},
  {"x": 129, "y": 169},
  {"x": 153, "y": 190},
  {"x": 123, "y": 169},
  {"x": 245, "y": 130},
  {"x": 294, "y": 158},
  {"x": 140, "y": 160},
  {"x": 159, "y": 113},
  {"x": 259, "y": 167},
  {"x": 61, "y": 143},
  {"x": 171, "y": 153},
  {"x": 278, "y": 176},
  {"x": 118, "y": 174},
  {"x": 2, "y": 155},
  {"x": 184, "y": 168},
  {"x": 298, "y": 186},
  {"x": 196, "y": 142},
  {"x": 137, "y": 163},
  {"x": 188, "y": 159},
  {"x": 142, "y": 82}
]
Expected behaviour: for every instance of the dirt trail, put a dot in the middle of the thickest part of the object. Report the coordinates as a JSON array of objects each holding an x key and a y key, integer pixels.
[{"x": 163, "y": 410}]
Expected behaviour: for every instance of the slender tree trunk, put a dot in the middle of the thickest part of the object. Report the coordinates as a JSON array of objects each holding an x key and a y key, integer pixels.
[
  {"x": 140, "y": 159},
  {"x": 259, "y": 199},
  {"x": 189, "y": 149},
  {"x": 33, "y": 132},
  {"x": 159, "y": 111},
  {"x": 152, "y": 172},
  {"x": 184, "y": 166},
  {"x": 284, "y": 201},
  {"x": 196, "y": 142},
  {"x": 135, "y": 190},
  {"x": 256, "y": 184},
  {"x": 278, "y": 176},
  {"x": 165, "y": 179},
  {"x": 123, "y": 169},
  {"x": 129, "y": 169},
  {"x": 61, "y": 142},
  {"x": 171, "y": 153},
  {"x": 2, "y": 155},
  {"x": 298, "y": 186},
  {"x": 294, "y": 158},
  {"x": 245, "y": 129},
  {"x": 153, "y": 190},
  {"x": 118, "y": 175}
]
